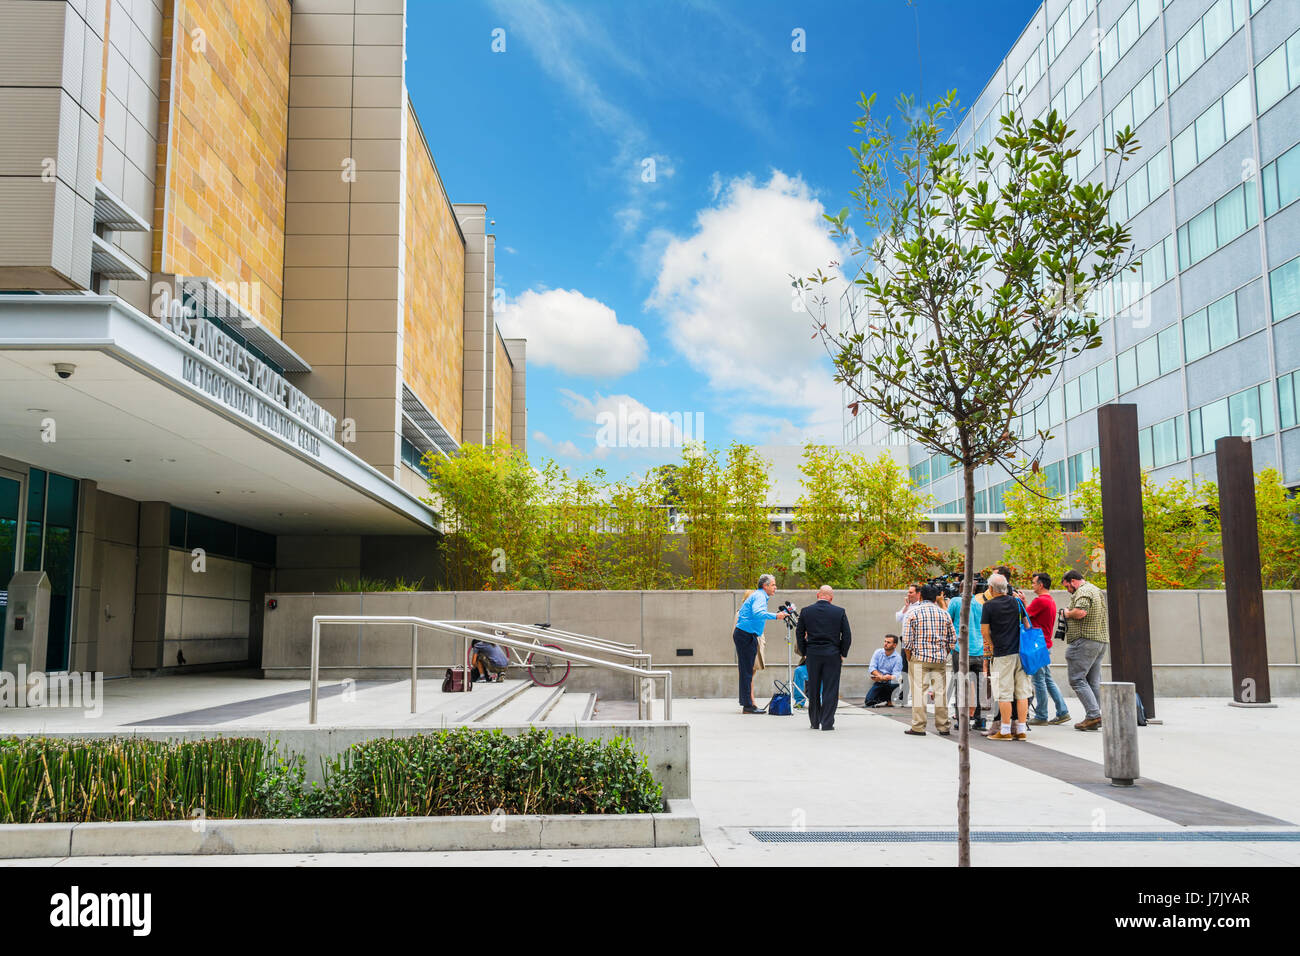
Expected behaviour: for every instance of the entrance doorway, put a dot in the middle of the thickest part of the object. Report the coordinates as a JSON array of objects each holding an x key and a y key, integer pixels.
[{"x": 11, "y": 504}]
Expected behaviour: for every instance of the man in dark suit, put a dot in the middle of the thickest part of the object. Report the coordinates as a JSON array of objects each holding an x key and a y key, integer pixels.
[{"x": 823, "y": 637}]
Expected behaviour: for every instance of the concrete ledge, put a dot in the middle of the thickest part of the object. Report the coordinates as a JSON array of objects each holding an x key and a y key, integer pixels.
[
  {"x": 21, "y": 840},
  {"x": 678, "y": 826}
]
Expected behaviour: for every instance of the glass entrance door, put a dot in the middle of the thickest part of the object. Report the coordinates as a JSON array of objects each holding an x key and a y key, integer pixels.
[{"x": 11, "y": 501}]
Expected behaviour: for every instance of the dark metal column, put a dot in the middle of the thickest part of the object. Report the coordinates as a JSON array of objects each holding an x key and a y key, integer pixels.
[
  {"x": 1126, "y": 556},
  {"x": 1247, "y": 642}
]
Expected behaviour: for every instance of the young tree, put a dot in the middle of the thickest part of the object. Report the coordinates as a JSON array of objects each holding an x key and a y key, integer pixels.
[
  {"x": 702, "y": 503},
  {"x": 889, "y": 513},
  {"x": 488, "y": 497},
  {"x": 823, "y": 515},
  {"x": 1033, "y": 540},
  {"x": 1278, "y": 520},
  {"x": 639, "y": 536},
  {"x": 573, "y": 514},
  {"x": 1180, "y": 530},
  {"x": 753, "y": 543},
  {"x": 976, "y": 284}
]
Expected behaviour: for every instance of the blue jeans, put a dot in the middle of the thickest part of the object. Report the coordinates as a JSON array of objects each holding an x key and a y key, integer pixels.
[{"x": 1044, "y": 685}]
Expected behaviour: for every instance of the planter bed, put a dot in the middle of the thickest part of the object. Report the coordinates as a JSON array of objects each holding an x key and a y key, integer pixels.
[{"x": 677, "y": 825}]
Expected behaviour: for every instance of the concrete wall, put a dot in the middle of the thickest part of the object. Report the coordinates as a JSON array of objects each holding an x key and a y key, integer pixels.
[
  {"x": 690, "y": 633},
  {"x": 207, "y": 611}
]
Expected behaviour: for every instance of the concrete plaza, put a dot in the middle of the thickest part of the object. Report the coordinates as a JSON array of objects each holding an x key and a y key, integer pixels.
[{"x": 1218, "y": 785}]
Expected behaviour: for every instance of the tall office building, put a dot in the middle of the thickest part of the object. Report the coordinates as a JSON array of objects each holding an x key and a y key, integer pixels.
[
  {"x": 1205, "y": 340},
  {"x": 237, "y": 309}
]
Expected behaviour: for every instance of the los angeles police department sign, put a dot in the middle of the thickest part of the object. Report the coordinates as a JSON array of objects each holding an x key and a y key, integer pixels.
[{"x": 260, "y": 394}]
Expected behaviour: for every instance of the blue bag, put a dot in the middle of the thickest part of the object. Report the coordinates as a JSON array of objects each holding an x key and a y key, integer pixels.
[
  {"x": 780, "y": 702},
  {"x": 1034, "y": 655}
]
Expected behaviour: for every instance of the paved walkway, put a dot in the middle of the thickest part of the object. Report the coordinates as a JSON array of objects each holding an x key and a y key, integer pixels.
[{"x": 814, "y": 797}]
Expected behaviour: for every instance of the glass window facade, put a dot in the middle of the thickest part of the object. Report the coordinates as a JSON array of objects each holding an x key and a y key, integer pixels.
[
  {"x": 1280, "y": 181},
  {"x": 1217, "y": 225},
  {"x": 1248, "y": 413},
  {"x": 1278, "y": 73},
  {"x": 1218, "y": 123}
]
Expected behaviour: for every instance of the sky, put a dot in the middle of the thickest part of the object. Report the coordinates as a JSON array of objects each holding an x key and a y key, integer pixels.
[{"x": 657, "y": 170}]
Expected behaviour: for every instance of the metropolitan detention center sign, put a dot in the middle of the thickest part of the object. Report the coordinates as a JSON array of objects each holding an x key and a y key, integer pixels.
[{"x": 252, "y": 388}]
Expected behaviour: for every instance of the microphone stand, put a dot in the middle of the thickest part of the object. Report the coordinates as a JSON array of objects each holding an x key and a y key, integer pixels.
[{"x": 791, "y": 619}]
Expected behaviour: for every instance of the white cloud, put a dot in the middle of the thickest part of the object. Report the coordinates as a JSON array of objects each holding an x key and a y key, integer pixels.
[
  {"x": 568, "y": 331},
  {"x": 725, "y": 295},
  {"x": 623, "y": 422},
  {"x": 561, "y": 449}
]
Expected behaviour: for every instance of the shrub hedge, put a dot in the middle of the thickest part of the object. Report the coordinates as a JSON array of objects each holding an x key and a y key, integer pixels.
[{"x": 463, "y": 771}]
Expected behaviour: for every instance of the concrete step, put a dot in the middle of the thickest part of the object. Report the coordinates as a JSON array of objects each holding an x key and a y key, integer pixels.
[
  {"x": 530, "y": 705},
  {"x": 572, "y": 708}
]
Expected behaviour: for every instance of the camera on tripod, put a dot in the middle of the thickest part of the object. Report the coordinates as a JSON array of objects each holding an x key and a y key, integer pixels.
[{"x": 950, "y": 584}]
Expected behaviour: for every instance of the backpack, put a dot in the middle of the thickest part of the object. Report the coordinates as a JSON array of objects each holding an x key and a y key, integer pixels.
[{"x": 455, "y": 680}]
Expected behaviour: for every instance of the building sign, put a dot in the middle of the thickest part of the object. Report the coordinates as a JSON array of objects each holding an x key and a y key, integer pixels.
[{"x": 261, "y": 393}]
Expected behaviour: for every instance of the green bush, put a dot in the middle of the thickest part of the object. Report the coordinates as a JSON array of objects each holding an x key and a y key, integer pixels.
[
  {"x": 56, "y": 780},
  {"x": 453, "y": 772},
  {"x": 470, "y": 771},
  {"x": 352, "y": 586}
]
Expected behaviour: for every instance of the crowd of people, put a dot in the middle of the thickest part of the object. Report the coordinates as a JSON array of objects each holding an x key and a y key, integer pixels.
[{"x": 922, "y": 661}]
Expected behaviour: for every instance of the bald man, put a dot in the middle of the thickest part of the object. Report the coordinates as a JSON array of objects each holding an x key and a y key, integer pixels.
[{"x": 823, "y": 637}]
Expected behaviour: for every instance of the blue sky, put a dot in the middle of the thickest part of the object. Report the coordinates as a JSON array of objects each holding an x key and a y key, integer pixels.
[{"x": 656, "y": 170}]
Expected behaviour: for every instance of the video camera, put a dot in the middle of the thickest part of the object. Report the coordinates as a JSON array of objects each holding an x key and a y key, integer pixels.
[{"x": 950, "y": 584}]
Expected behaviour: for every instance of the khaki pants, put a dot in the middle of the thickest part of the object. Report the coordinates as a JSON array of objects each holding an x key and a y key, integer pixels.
[{"x": 920, "y": 674}]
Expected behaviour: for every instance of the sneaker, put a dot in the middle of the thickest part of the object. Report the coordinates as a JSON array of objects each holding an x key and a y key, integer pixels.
[
  {"x": 1001, "y": 736},
  {"x": 914, "y": 733},
  {"x": 1060, "y": 719},
  {"x": 1089, "y": 723},
  {"x": 751, "y": 710},
  {"x": 1037, "y": 721},
  {"x": 1021, "y": 736}
]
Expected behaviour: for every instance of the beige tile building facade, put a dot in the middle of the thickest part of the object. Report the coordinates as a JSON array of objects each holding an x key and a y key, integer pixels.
[{"x": 237, "y": 308}]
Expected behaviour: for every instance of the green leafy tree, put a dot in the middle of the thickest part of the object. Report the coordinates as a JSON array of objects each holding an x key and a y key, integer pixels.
[
  {"x": 825, "y": 520},
  {"x": 702, "y": 509},
  {"x": 976, "y": 284},
  {"x": 889, "y": 511},
  {"x": 639, "y": 536},
  {"x": 1278, "y": 518},
  {"x": 752, "y": 542},
  {"x": 489, "y": 500},
  {"x": 1181, "y": 533},
  {"x": 573, "y": 513},
  {"x": 1033, "y": 540}
]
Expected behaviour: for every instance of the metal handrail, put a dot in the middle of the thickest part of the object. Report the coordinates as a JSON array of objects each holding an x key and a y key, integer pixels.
[
  {"x": 468, "y": 633},
  {"x": 617, "y": 648}
]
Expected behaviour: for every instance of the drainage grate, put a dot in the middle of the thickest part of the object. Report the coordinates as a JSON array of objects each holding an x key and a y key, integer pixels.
[{"x": 1021, "y": 836}]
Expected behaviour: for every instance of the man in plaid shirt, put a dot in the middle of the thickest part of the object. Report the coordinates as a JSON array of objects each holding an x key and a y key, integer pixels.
[
  {"x": 1087, "y": 636},
  {"x": 928, "y": 639}
]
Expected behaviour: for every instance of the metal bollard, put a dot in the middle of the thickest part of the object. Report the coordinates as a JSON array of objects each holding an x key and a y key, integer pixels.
[{"x": 1119, "y": 732}]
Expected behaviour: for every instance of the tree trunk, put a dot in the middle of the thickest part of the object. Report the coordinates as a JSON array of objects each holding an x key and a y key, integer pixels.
[{"x": 963, "y": 668}]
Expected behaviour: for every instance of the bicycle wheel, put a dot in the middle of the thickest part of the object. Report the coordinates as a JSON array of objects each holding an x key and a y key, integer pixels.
[{"x": 546, "y": 670}]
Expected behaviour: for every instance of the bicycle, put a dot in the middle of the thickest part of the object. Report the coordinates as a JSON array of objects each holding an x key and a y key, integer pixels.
[{"x": 543, "y": 669}]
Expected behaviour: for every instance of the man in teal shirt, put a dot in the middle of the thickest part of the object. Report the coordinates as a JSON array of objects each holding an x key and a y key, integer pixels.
[{"x": 751, "y": 620}]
